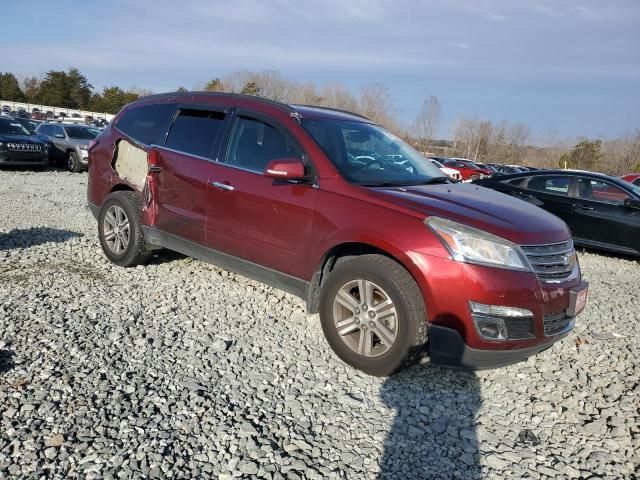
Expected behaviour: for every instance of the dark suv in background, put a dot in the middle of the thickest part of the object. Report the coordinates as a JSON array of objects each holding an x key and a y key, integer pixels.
[
  {"x": 328, "y": 206},
  {"x": 18, "y": 147}
]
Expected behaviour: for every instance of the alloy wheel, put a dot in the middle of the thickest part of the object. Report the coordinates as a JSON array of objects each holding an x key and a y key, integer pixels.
[
  {"x": 365, "y": 318},
  {"x": 116, "y": 229}
]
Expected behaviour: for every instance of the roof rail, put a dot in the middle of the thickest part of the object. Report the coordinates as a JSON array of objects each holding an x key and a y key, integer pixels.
[
  {"x": 266, "y": 101},
  {"x": 331, "y": 109}
]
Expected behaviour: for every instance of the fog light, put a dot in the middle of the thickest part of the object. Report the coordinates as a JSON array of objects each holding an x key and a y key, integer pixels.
[
  {"x": 495, "y": 322},
  {"x": 491, "y": 328}
]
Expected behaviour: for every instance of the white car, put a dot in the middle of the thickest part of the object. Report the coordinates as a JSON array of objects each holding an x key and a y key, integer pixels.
[{"x": 452, "y": 173}]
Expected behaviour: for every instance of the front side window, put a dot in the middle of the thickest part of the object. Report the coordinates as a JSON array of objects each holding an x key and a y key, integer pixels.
[
  {"x": 600, "y": 191},
  {"x": 367, "y": 154},
  {"x": 255, "y": 143},
  {"x": 147, "y": 124},
  {"x": 195, "y": 131},
  {"x": 556, "y": 185}
]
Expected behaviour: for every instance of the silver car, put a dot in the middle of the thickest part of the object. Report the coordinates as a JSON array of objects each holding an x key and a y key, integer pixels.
[{"x": 69, "y": 143}]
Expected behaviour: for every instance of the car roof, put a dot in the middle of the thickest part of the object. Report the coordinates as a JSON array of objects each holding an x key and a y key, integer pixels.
[
  {"x": 569, "y": 173},
  {"x": 304, "y": 111}
]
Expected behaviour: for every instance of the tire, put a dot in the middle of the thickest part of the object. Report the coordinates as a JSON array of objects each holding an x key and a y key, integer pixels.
[
  {"x": 385, "y": 280},
  {"x": 123, "y": 207},
  {"x": 73, "y": 163}
]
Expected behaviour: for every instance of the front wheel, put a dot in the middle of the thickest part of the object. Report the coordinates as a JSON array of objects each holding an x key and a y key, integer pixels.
[
  {"x": 73, "y": 164},
  {"x": 373, "y": 314},
  {"x": 120, "y": 230}
]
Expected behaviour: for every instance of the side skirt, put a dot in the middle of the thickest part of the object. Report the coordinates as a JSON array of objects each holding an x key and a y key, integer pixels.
[
  {"x": 604, "y": 246},
  {"x": 293, "y": 285}
]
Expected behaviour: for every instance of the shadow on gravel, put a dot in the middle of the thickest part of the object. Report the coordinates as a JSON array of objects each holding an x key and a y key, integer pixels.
[
  {"x": 433, "y": 435},
  {"x": 6, "y": 361},
  {"x": 165, "y": 256},
  {"x": 29, "y": 237}
]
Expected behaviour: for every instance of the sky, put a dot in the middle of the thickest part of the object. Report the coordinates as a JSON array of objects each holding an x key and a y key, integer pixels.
[{"x": 567, "y": 68}]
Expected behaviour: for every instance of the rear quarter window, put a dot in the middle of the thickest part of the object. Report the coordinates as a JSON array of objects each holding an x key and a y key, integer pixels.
[{"x": 147, "y": 124}]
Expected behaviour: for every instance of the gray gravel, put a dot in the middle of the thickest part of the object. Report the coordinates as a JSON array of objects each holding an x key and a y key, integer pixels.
[{"x": 182, "y": 370}]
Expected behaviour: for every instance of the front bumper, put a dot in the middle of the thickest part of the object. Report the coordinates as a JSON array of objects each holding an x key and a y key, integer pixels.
[
  {"x": 23, "y": 159},
  {"x": 447, "y": 348},
  {"x": 455, "y": 339}
]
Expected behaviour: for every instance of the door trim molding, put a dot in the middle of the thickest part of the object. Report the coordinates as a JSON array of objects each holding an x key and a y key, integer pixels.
[{"x": 288, "y": 283}]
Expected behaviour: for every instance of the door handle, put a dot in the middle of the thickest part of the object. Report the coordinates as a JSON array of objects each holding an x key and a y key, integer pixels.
[
  {"x": 584, "y": 207},
  {"x": 223, "y": 186},
  {"x": 155, "y": 168}
]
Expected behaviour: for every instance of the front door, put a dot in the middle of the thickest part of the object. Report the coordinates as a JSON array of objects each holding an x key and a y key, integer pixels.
[
  {"x": 253, "y": 217},
  {"x": 601, "y": 216}
]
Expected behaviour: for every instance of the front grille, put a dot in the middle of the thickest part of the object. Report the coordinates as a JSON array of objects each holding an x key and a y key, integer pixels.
[
  {"x": 555, "y": 323},
  {"x": 24, "y": 147},
  {"x": 552, "y": 263}
]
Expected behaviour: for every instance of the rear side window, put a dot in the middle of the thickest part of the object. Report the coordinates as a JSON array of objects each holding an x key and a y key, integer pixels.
[
  {"x": 195, "y": 131},
  {"x": 147, "y": 124},
  {"x": 555, "y": 185}
]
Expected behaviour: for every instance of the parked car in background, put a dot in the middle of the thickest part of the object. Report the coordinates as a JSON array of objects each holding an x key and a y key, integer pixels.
[
  {"x": 70, "y": 143},
  {"x": 333, "y": 208},
  {"x": 632, "y": 178},
  {"x": 506, "y": 170},
  {"x": 468, "y": 169},
  {"x": 449, "y": 172},
  {"x": 602, "y": 211},
  {"x": 18, "y": 147}
]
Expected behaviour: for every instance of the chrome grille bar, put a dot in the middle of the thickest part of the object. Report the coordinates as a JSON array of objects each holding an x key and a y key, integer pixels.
[{"x": 554, "y": 262}]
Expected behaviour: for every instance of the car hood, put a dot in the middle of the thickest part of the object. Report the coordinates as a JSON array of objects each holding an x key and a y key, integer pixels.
[
  {"x": 20, "y": 139},
  {"x": 482, "y": 208}
]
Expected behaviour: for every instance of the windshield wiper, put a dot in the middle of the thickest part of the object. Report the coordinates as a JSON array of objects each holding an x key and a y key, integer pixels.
[{"x": 434, "y": 180}]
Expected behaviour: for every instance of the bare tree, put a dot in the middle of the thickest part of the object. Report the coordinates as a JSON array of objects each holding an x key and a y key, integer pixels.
[
  {"x": 472, "y": 137},
  {"x": 376, "y": 103},
  {"x": 428, "y": 118}
]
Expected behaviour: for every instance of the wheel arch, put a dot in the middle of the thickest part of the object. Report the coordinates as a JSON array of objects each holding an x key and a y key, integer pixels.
[{"x": 349, "y": 249}]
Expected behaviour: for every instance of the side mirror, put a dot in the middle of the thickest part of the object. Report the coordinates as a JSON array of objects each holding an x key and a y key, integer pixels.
[
  {"x": 285, "y": 169},
  {"x": 632, "y": 203}
]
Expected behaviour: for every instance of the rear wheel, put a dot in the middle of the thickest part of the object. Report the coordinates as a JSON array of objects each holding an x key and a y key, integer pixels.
[
  {"x": 120, "y": 230},
  {"x": 373, "y": 314}
]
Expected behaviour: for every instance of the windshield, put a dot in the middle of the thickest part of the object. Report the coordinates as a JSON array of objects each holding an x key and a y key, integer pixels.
[
  {"x": 367, "y": 154},
  {"x": 28, "y": 124},
  {"x": 10, "y": 127},
  {"x": 81, "y": 133}
]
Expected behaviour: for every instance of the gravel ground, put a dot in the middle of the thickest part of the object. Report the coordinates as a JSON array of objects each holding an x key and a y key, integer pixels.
[{"x": 182, "y": 370}]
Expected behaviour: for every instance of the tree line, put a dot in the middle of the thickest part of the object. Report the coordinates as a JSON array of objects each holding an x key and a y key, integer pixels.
[{"x": 477, "y": 139}]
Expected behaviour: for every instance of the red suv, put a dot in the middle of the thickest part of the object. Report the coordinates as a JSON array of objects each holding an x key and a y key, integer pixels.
[
  {"x": 468, "y": 169},
  {"x": 328, "y": 206}
]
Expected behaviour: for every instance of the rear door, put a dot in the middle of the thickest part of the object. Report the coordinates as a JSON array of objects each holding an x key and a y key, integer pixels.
[
  {"x": 253, "y": 217},
  {"x": 185, "y": 162},
  {"x": 601, "y": 216},
  {"x": 551, "y": 192}
]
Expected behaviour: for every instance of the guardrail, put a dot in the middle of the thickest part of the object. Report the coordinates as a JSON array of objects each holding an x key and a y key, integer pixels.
[{"x": 68, "y": 112}]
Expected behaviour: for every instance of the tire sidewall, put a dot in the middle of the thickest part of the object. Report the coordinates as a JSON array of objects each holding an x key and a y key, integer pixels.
[
  {"x": 391, "y": 360},
  {"x": 72, "y": 162},
  {"x": 120, "y": 199}
]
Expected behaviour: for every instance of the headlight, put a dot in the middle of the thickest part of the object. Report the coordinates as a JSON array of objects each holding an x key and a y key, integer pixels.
[
  {"x": 470, "y": 245},
  {"x": 84, "y": 147}
]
